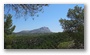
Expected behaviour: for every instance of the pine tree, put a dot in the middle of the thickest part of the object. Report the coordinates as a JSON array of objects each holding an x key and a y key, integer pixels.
[
  {"x": 75, "y": 25},
  {"x": 8, "y": 27},
  {"x": 76, "y": 22}
]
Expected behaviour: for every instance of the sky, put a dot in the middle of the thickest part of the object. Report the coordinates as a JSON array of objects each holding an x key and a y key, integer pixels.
[{"x": 49, "y": 18}]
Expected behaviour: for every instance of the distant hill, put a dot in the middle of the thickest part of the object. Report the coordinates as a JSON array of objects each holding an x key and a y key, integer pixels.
[{"x": 39, "y": 30}]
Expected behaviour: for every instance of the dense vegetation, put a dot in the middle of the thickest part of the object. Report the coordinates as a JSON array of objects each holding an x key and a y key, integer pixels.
[
  {"x": 40, "y": 41},
  {"x": 74, "y": 25}
]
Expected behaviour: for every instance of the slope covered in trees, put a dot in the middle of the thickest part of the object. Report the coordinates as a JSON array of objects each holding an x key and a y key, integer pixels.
[{"x": 39, "y": 41}]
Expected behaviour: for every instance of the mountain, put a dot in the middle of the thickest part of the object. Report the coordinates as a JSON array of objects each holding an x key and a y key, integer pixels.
[{"x": 39, "y": 30}]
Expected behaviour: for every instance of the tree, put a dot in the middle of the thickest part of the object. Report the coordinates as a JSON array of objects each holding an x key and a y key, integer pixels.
[
  {"x": 74, "y": 26},
  {"x": 24, "y": 9},
  {"x": 76, "y": 22},
  {"x": 8, "y": 27}
]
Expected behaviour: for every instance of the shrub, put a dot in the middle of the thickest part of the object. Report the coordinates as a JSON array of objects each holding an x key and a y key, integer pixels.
[{"x": 66, "y": 45}]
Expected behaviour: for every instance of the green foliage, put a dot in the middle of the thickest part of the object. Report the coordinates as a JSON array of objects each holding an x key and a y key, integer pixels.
[
  {"x": 78, "y": 39},
  {"x": 66, "y": 45},
  {"x": 75, "y": 25},
  {"x": 8, "y": 28},
  {"x": 8, "y": 41},
  {"x": 76, "y": 22},
  {"x": 8, "y": 46},
  {"x": 43, "y": 41}
]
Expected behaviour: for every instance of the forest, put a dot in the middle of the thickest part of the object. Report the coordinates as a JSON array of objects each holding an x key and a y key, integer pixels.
[{"x": 72, "y": 36}]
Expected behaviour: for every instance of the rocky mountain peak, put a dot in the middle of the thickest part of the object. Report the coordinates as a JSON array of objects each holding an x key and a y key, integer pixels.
[{"x": 39, "y": 30}]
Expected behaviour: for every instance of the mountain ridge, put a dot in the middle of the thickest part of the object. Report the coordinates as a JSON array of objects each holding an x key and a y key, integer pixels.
[{"x": 38, "y": 30}]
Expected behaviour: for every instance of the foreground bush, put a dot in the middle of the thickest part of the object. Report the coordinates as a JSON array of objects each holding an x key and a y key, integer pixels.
[{"x": 66, "y": 45}]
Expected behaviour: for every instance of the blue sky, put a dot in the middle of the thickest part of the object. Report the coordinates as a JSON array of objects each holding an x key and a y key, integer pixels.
[{"x": 50, "y": 18}]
